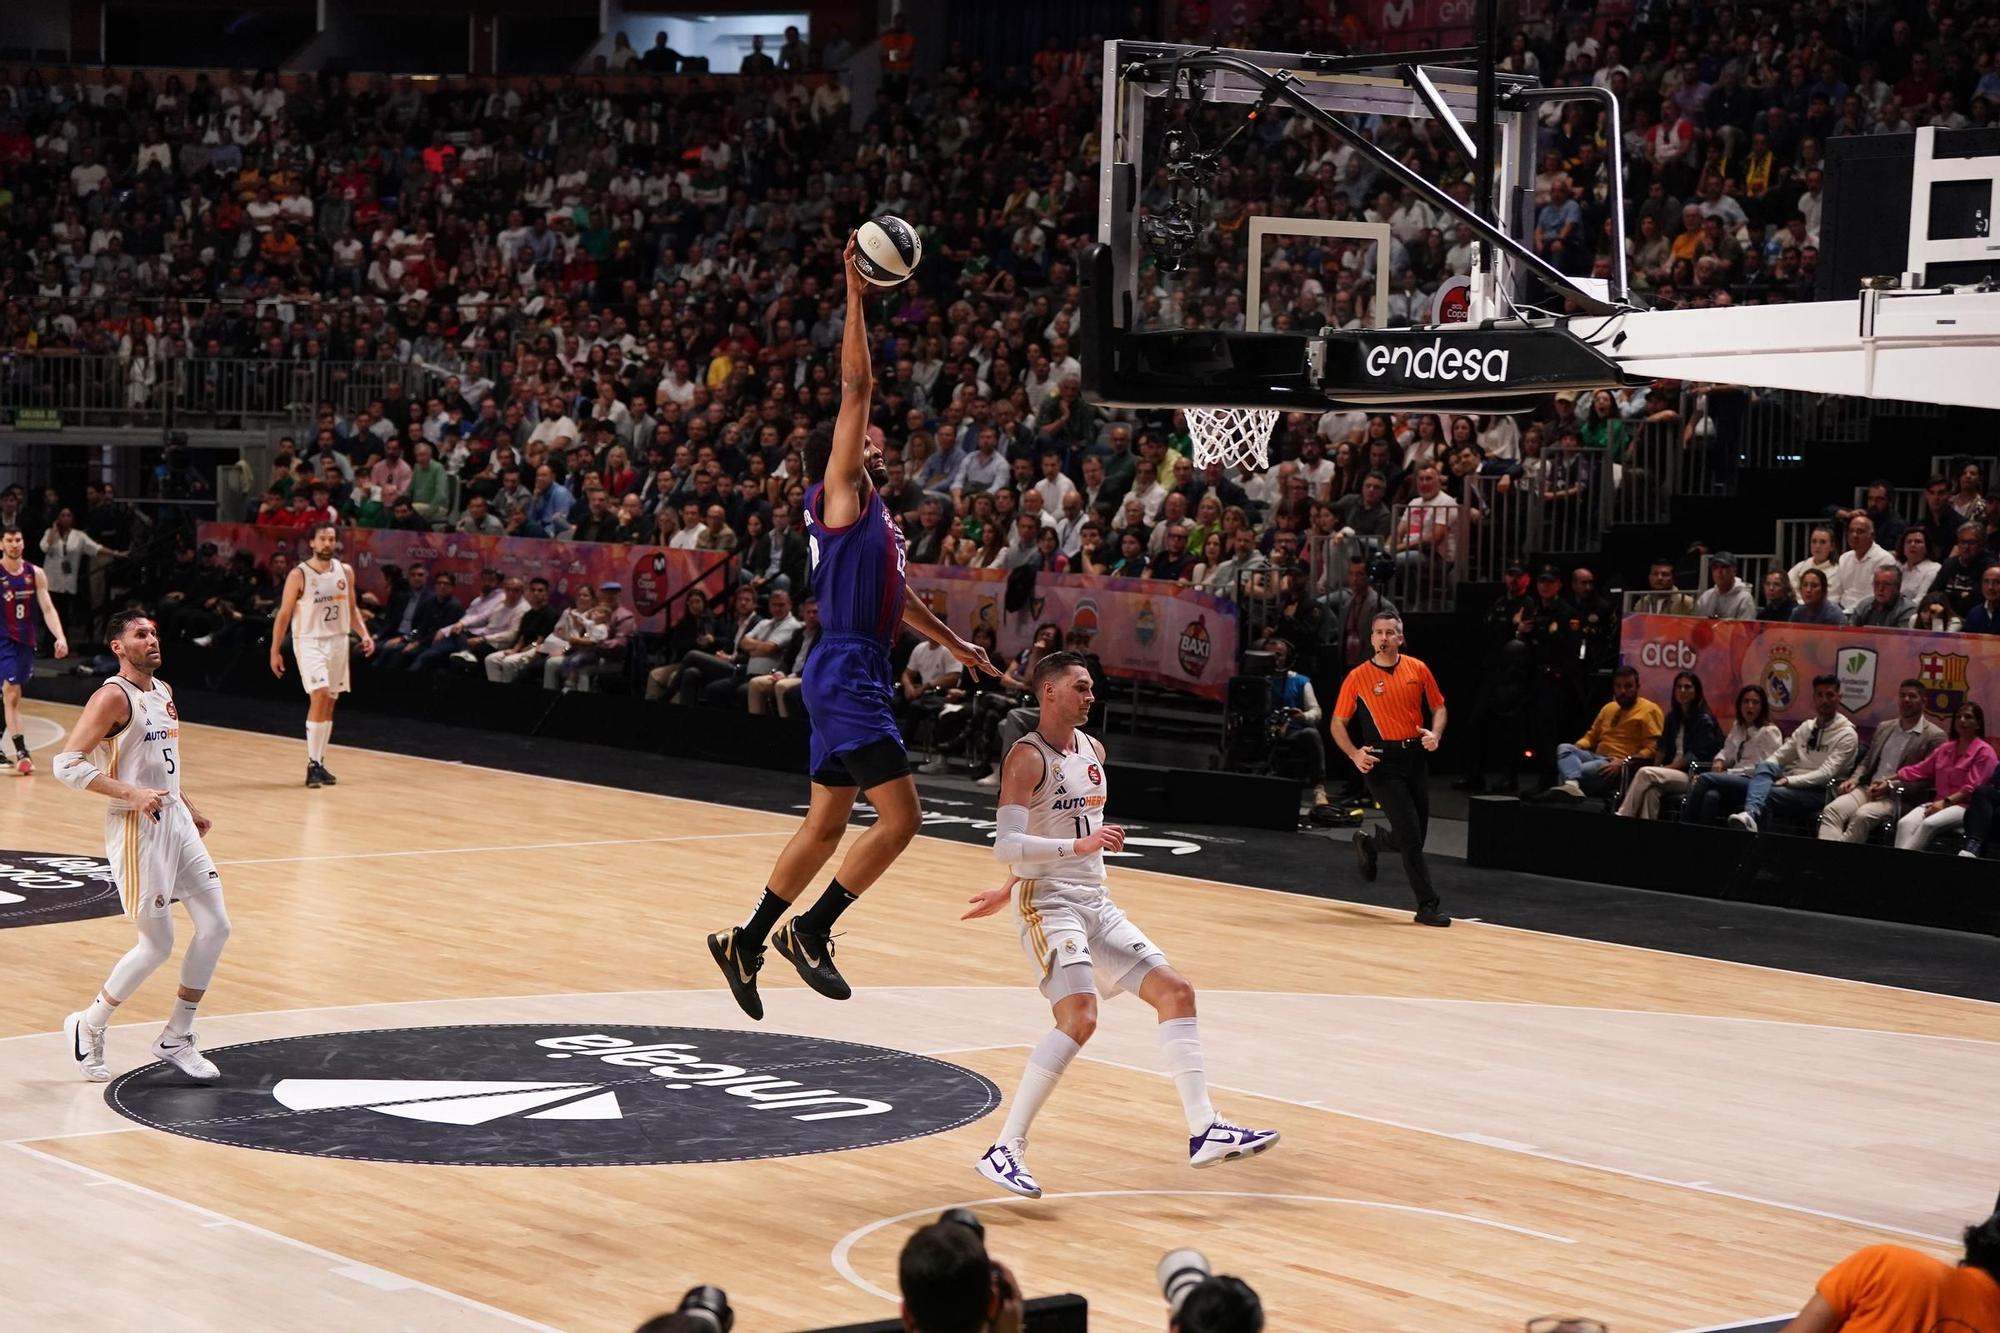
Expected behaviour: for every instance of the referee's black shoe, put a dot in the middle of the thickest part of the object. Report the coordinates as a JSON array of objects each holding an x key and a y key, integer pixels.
[
  {"x": 739, "y": 968},
  {"x": 812, "y": 955},
  {"x": 1430, "y": 916},
  {"x": 1364, "y": 853}
]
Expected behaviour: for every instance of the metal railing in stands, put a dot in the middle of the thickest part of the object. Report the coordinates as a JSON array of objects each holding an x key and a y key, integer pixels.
[
  {"x": 1794, "y": 538},
  {"x": 1327, "y": 556},
  {"x": 1569, "y": 509},
  {"x": 205, "y": 392},
  {"x": 1257, "y": 603},
  {"x": 1751, "y": 568},
  {"x": 1949, "y": 466},
  {"x": 1641, "y": 486},
  {"x": 1906, "y": 502},
  {"x": 1431, "y": 542}
]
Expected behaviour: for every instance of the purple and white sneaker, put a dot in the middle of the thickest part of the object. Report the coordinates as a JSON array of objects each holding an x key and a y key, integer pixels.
[
  {"x": 1224, "y": 1142},
  {"x": 1006, "y": 1165}
]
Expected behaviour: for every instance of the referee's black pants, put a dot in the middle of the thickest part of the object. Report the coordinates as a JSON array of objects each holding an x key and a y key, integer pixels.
[{"x": 1399, "y": 783}]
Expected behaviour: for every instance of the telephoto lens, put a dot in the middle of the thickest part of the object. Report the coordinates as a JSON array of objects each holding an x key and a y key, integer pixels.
[
  {"x": 1181, "y": 1271},
  {"x": 710, "y": 1305},
  {"x": 965, "y": 1218}
]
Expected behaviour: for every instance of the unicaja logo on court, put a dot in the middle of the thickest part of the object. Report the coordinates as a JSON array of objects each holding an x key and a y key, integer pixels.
[
  {"x": 677, "y": 1063},
  {"x": 558, "y": 1095}
]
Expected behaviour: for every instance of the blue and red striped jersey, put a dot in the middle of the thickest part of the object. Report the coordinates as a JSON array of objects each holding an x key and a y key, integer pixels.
[
  {"x": 857, "y": 571},
  {"x": 18, "y": 621}
]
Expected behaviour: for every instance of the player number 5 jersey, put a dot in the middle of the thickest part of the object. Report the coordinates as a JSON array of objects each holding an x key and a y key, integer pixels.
[
  {"x": 146, "y": 751},
  {"x": 325, "y": 609},
  {"x": 1068, "y": 803}
]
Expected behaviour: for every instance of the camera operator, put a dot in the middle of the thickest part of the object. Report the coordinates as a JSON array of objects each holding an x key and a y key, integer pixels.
[
  {"x": 1198, "y": 1301},
  {"x": 951, "y": 1285},
  {"x": 1294, "y": 720}
]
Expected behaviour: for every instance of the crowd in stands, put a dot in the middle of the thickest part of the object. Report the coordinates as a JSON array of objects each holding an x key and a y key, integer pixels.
[
  {"x": 618, "y": 301},
  {"x": 1912, "y": 780}
]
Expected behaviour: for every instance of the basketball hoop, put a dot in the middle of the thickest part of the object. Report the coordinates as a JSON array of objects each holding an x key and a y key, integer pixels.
[{"x": 1232, "y": 436}]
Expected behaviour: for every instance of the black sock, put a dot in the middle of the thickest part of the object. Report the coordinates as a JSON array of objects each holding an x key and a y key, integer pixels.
[
  {"x": 758, "y": 928},
  {"x": 819, "y": 918},
  {"x": 20, "y": 745}
]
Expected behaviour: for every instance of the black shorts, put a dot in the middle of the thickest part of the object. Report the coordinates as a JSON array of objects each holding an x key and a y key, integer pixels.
[{"x": 866, "y": 766}]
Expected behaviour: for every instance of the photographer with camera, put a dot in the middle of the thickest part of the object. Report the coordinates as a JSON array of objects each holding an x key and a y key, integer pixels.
[
  {"x": 951, "y": 1285},
  {"x": 704, "y": 1309},
  {"x": 1200, "y": 1302}
]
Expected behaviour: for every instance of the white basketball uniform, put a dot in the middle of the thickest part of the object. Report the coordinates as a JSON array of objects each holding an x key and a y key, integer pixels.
[
  {"x": 1070, "y": 928},
  {"x": 154, "y": 860},
  {"x": 320, "y": 625}
]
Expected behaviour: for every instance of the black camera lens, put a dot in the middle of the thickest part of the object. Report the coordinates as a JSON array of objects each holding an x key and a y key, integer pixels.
[
  {"x": 965, "y": 1218},
  {"x": 710, "y": 1305}
]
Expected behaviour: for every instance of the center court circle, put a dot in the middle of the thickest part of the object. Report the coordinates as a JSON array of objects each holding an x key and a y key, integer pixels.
[
  {"x": 546, "y": 1094},
  {"x": 44, "y": 888}
]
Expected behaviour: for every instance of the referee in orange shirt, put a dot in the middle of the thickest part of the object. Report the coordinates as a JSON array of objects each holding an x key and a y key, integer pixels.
[{"x": 1390, "y": 692}]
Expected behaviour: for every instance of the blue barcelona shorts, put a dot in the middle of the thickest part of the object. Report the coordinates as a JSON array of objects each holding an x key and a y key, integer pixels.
[
  {"x": 847, "y": 692},
  {"x": 17, "y": 662}
]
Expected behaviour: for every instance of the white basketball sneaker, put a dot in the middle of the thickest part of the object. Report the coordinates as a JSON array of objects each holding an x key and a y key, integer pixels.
[
  {"x": 180, "y": 1052},
  {"x": 86, "y": 1047},
  {"x": 1224, "y": 1142},
  {"x": 1006, "y": 1165}
]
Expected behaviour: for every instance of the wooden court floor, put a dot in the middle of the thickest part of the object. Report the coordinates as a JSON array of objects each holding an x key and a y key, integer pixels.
[{"x": 1481, "y": 1125}]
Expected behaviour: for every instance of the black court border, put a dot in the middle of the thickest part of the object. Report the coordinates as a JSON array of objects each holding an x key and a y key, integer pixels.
[{"x": 113, "y": 1100}]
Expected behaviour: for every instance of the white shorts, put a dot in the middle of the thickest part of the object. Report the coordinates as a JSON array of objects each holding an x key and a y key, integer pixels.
[
  {"x": 155, "y": 862},
  {"x": 1079, "y": 940},
  {"x": 322, "y": 664}
]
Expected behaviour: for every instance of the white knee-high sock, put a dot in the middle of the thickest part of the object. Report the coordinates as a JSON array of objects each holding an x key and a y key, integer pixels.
[
  {"x": 156, "y": 941},
  {"x": 1181, "y": 1042},
  {"x": 317, "y": 734},
  {"x": 1046, "y": 1063}
]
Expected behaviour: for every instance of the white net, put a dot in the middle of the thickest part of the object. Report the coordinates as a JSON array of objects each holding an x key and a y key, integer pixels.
[{"x": 1232, "y": 436}]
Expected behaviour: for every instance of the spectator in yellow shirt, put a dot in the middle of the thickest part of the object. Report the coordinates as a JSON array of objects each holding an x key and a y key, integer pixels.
[{"x": 1626, "y": 730}]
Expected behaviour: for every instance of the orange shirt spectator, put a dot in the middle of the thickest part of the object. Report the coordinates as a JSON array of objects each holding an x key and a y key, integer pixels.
[
  {"x": 899, "y": 50},
  {"x": 1890, "y": 1289}
]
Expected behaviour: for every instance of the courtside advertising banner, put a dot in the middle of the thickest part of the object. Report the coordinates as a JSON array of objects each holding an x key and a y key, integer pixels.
[
  {"x": 650, "y": 574},
  {"x": 1182, "y": 638},
  {"x": 1783, "y": 658}
]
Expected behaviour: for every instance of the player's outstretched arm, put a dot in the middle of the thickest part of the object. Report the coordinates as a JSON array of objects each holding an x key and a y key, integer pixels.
[
  {"x": 281, "y": 624},
  {"x": 49, "y": 616},
  {"x": 107, "y": 710},
  {"x": 925, "y": 622},
  {"x": 857, "y": 392}
]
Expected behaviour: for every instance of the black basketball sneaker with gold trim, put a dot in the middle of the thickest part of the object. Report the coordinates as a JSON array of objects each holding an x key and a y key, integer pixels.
[
  {"x": 812, "y": 955},
  {"x": 739, "y": 968}
]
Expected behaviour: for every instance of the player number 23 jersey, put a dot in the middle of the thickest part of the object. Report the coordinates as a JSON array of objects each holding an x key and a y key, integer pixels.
[
  {"x": 1068, "y": 804},
  {"x": 325, "y": 609}
]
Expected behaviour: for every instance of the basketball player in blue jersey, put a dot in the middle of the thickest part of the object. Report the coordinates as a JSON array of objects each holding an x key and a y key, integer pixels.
[
  {"x": 21, "y": 586},
  {"x": 858, "y": 560}
]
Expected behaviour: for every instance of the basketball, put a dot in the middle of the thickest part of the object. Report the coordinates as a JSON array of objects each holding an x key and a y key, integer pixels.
[{"x": 887, "y": 250}]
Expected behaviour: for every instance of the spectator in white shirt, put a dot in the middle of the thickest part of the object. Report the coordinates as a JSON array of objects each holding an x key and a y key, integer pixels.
[
  {"x": 1819, "y": 555},
  {"x": 1054, "y": 485},
  {"x": 1853, "y": 579}
]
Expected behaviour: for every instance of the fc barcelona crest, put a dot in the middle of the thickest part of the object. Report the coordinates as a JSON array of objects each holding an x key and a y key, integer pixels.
[{"x": 1944, "y": 680}]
